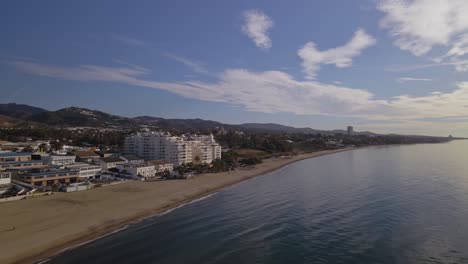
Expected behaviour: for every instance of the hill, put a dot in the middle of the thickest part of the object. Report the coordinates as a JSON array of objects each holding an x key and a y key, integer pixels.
[
  {"x": 82, "y": 117},
  {"x": 75, "y": 116},
  {"x": 20, "y": 111}
]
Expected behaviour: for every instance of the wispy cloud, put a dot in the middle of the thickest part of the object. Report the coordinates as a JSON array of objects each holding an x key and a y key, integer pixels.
[
  {"x": 128, "y": 40},
  {"x": 341, "y": 57},
  {"x": 459, "y": 65},
  {"x": 272, "y": 92},
  {"x": 195, "y": 66},
  {"x": 419, "y": 25},
  {"x": 256, "y": 26},
  {"x": 410, "y": 79}
]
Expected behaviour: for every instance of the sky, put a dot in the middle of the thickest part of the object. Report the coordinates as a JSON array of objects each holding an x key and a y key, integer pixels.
[{"x": 387, "y": 66}]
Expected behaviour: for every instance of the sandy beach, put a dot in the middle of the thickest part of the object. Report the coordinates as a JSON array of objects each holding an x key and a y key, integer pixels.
[{"x": 36, "y": 228}]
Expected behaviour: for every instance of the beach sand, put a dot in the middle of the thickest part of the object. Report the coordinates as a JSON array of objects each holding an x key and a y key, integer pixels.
[{"x": 36, "y": 228}]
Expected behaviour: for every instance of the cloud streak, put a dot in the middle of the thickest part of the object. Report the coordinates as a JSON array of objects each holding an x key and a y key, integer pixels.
[
  {"x": 193, "y": 65},
  {"x": 256, "y": 27},
  {"x": 341, "y": 57},
  {"x": 410, "y": 79},
  {"x": 272, "y": 92},
  {"x": 128, "y": 40}
]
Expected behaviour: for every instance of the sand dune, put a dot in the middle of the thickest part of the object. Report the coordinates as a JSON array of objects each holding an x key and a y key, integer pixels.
[{"x": 40, "y": 227}]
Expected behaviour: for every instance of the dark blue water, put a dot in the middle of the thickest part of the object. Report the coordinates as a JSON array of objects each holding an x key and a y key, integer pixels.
[{"x": 402, "y": 204}]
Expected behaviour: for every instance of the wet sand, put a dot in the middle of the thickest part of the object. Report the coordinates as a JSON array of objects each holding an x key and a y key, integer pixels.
[{"x": 34, "y": 229}]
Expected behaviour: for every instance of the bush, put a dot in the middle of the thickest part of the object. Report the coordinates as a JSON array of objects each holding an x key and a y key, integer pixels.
[{"x": 250, "y": 161}]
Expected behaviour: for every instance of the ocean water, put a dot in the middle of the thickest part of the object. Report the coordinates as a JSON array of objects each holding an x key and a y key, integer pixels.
[{"x": 397, "y": 204}]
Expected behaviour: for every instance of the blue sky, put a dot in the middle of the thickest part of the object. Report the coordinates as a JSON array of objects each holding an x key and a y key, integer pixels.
[{"x": 382, "y": 65}]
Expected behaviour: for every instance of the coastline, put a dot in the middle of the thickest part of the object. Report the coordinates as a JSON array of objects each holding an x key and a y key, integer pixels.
[{"x": 39, "y": 228}]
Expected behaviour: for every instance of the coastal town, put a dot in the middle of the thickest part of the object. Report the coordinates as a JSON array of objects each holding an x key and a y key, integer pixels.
[
  {"x": 145, "y": 156},
  {"x": 40, "y": 167},
  {"x": 73, "y": 175}
]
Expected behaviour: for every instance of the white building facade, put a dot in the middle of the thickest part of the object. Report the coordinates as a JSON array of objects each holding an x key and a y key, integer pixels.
[
  {"x": 159, "y": 146},
  {"x": 141, "y": 170},
  {"x": 59, "y": 160},
  {"x": 111, "y": 162},
  {"x": 204, "y": 149},
  {"x": 86, "y": 171},
  {"x": 5, "y": 177},
  {"x": 162, "y": 166}
]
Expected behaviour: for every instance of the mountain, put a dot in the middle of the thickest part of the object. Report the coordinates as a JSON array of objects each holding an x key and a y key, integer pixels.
[
  {"x": 82, "y": 117},
  {"x": 181, "y": 124},
  {"x": 75, "y": 116},
  {"x": 20, "y": 111}
]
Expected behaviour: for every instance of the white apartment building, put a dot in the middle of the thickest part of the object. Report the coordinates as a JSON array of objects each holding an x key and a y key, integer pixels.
[
  {"x": 143, "y": 170},
  {"x": 159, "y": 146},
  {"x": 86, "y": 171},
  {"x": 204, "y": 149}
]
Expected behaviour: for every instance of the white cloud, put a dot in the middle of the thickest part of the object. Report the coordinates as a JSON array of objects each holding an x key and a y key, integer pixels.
[
  {"x": 410, "y": 79},
  {"x": 419, "y": 25},
  {"x": 273, "y": 92},
  {"x": 256, "y": 26},
  {"x": 460, "y": 47},
  {"x": 341, "y": 57},
  {"x": 128, "y": 40},
  {"x": 195, "y": 66}
]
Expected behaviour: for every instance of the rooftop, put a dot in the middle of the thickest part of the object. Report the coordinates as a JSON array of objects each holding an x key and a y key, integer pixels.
[
  {"x": 20, "y": 162},
  {"x": 49, "y": 172},
  {"x": 158, "y": 162},
  {"x": 131, "y": 157},
  {"x": 85, "y": 153},
  {"x": 112, "y": 159},
  {"x": 15, "y": 154}
]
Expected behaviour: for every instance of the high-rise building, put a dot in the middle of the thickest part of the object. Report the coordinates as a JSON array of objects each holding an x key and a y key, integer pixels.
[
  {"x": 173, "y": 149},
  {"x": 350, "y": 130},
  {"x": 159, "y": 146}
]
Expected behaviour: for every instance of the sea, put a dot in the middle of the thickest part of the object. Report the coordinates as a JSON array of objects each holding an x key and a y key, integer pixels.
[{"x": 386, "y": 204}]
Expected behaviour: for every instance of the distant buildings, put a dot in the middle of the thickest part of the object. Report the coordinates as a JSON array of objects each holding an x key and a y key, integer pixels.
[
  {"x": 350, "y": 130},
  {"x": 173, "y": 149}
]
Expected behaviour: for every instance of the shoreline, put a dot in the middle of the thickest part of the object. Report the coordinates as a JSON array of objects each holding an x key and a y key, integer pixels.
[{"x": 111, "y": 225}]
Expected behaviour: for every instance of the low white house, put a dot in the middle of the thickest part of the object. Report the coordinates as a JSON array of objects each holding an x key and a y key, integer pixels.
[
  {"x": 111, "y": 162},
  {"x": 5, "y": 177},
  {"x": 133, "y": 159},
  {"x": 58, "y": 160},
  {"x": 143, "y": 170},
  {"x": 86, "y": 171},
  {"x": 162, "y": 166}
]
